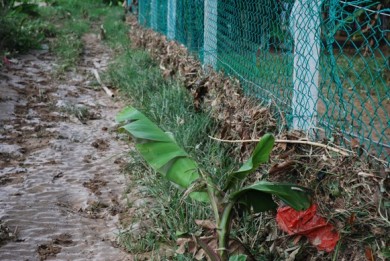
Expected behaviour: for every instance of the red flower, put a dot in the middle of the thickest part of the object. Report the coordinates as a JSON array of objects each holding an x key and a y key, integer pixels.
[{"x": 307, "y": 223}]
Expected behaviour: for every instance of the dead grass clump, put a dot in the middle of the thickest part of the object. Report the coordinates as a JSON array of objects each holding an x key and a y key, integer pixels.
[{"x": 352, "y": 192}]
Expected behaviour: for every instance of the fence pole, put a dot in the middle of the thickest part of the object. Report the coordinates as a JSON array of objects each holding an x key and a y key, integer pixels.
[
  {"x": 305, "y": 26},
  {"x": 210, "y": 33},
  {"x": 171, "y": 19},
  {"x": 153, "y": 11}
]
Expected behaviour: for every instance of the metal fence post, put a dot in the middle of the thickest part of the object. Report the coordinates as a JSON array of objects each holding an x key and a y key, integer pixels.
[
  {"x": 171, "y": 19},
  {"x": 210, "y": 32},
  {"x": 153, "y": 11},
  {"x": 305, "y": 27}
]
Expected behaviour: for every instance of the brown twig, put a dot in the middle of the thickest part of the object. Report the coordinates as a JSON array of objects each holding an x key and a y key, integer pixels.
[
  {"x": 108, "y": 91},
  {"x": 341, "y": 151}
]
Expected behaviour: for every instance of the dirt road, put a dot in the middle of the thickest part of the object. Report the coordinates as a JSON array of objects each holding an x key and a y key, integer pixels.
[{"x": 61, "y": 188}]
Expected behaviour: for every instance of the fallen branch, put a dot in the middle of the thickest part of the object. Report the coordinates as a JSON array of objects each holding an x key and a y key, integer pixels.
[
  {"x": 108, "y": 91},
  {"x": 341, "y": 151}
]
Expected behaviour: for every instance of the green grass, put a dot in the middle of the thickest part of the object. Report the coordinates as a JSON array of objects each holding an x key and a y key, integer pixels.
[
  {"x": 79, "y": 111},
  {"x": 22, "y": 29},
  {"x": 62, "y": 21},
  {"x": 116, "y": 30},
  {"x": 364, "y": 73},
  {"x": 71, "y": 20},
  {"x": 68, "y": 49},
  {"x": 170, "y": 106},
  {"x": 71, "y": 24},
  {"x": 169, "y": 214}
]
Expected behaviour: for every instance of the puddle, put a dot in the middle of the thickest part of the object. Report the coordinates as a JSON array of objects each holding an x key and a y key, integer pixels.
[{"x": 60, "y": 190}]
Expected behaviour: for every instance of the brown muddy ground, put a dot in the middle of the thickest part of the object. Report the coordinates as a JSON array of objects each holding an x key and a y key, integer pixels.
[{"x": 61, "y": 188}]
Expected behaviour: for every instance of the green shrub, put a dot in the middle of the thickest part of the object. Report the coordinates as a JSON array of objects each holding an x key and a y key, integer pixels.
[{"x": 20, "y": 26}]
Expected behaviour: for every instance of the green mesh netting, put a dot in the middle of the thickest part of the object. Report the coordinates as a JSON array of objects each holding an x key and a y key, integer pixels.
[
  {"x": 161, "y": 17},
  {"x": 144, "y": 15},
  {"x": 189, "y": 24},
  {"x": 325, "y": 63}
]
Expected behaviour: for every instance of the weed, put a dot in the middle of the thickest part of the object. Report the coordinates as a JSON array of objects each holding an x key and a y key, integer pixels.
[
  {"x": 5, "y": 233},
  {"x": 97, "y": 206},
  {"x": 72, "y": 19},
  {"x": 79, "y": 111},
  {"x": 97, "y": 14},
  {"x": 42, "y": 95},
  {"x": 67, "y": 45},
  {"x": 20, "y": 27},
  {"x": 134, "y": 245},
  {"x": 170, "y": 214},
  {"x": 76, "y": 27},
  {"x": 116, "y": 30},
  {"x": 68, "y": 49}
]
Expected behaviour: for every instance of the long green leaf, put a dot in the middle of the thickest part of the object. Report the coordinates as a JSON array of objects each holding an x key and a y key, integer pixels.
[
  {"x": 158, "y": 154},
  {"x": 127, "y": 113},
  {"x": 260, "y": 155},
  {"x": 183, "y": 172},
  {"x": 238, "y": 258},
  {"x": 140, "y": 126},
  {"x": 26, "y": 8},
  {"x": 201, "y": 196},
  {"x": 160, "y": 151},
  {"x": 295, "y": 196}
]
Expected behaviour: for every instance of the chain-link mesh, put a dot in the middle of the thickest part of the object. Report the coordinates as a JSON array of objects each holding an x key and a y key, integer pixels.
[
  {"x": 144, "y": 8},
  {"x": 324, "y": 63}
]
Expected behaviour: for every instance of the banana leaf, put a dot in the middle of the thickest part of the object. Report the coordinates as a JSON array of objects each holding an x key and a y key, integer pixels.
[
  {"x": 259, "y": 196},
  {"x": 161, "y": 151},
  {"x": 260, "y": 155}
]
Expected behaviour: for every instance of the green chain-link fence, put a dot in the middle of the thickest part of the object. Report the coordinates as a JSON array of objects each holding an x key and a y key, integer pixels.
[{"x": 325, "y": 63}]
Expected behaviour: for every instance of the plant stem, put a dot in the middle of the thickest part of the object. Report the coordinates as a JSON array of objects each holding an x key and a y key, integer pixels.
[
  {"x": 224, "y": 232},
  {"x": 211, "y": 193}
]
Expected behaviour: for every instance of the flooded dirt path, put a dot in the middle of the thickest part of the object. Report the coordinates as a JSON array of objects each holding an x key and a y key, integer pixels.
[{"x": 61, "y": 188}]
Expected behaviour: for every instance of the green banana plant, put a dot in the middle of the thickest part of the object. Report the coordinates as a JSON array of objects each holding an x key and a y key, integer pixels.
[{"x": 164, "y": 155}]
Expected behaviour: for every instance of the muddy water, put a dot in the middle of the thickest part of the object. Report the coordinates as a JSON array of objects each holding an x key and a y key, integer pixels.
[{"x": 61, "y": 188}]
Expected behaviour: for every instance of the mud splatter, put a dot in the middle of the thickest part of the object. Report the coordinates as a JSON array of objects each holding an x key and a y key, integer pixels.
[
  {"x": 48, "y": 250},
  {"x": 100, "y": 144},
  {"x": 95, "y": 185}
]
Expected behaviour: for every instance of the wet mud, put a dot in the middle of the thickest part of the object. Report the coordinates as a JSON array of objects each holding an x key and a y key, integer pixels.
[{"x": 61, "y": 192}]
